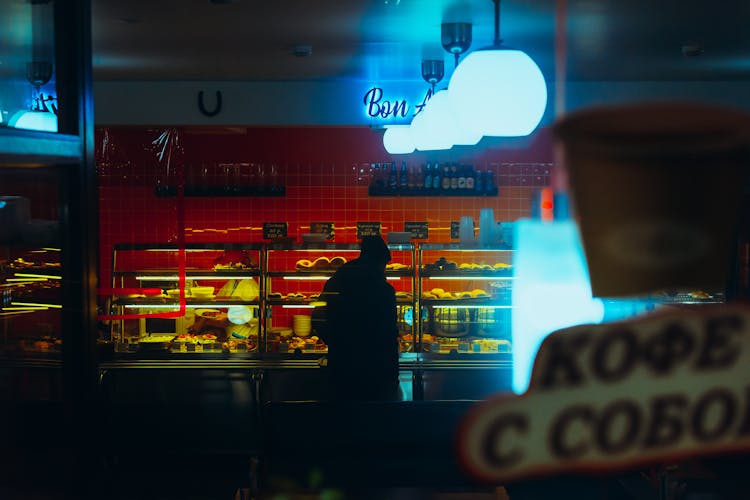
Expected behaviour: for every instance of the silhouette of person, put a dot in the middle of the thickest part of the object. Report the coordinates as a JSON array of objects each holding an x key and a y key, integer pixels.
[{"x": 361, "y": 327}]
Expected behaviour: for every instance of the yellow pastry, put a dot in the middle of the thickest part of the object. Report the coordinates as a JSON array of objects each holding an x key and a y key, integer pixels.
[
  {"x": 304, "y": 264},
  {"x": 321, "y": 263},
  {"x": 337, "y": 261}
]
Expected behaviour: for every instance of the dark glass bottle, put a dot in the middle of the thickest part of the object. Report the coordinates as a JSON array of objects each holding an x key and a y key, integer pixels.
[
  {"x": 470, "y": 177},
  {"x": 462, "y": 177},
  {"x": 454, "y": 177},
  {"x": 403, "y": 177},
  {"x": 374, "y": 174},
  {"x": 479, "y": 182},
  {"x": 489, "y": 182},
  {"x": 445, "y": 182},
  {"x": 436, "y": 177},
  {"x": 417, "y": 177},
  {"x": 393, "y": 177},
  {"x": 427, "y": 176}
]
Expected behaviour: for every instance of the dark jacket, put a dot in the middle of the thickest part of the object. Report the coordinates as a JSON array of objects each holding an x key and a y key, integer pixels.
[{"x": 361, "y": 329}]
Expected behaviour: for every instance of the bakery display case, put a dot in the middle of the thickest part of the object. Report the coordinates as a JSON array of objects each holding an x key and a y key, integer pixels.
[
  {"x": 294, "y": 279},
  {"x": 465, "y": 298},
  {"x": 197, "y": 299},
  {"x": 464, "y": 330}
]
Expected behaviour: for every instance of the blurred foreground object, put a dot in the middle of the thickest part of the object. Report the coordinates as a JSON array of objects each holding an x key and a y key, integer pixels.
[{"x": 656, "y": 188}]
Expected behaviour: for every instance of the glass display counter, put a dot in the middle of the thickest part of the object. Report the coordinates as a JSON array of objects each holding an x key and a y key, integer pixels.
[
  {"x": 294, "y": 279},
  {"x": 201, "y": 299},
  {"x": 465, "y": 296},
  {"x": 465, "y": 328}
]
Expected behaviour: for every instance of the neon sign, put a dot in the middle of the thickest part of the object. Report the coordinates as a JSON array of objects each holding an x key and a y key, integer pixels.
[{"x": 377, "y": 105}]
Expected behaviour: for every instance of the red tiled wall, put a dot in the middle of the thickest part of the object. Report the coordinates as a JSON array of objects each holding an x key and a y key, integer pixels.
[{"x": 325, "y": 171}]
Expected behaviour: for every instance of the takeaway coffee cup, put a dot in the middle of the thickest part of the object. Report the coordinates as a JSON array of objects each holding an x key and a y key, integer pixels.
[{"x": 656, "y": 188}]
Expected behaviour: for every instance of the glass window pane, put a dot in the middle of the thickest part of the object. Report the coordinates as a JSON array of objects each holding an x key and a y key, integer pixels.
[{"x": 30, "y": 265}]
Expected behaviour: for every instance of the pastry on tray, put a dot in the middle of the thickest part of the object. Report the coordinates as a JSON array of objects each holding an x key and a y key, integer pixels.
[
  {"x": 321, "y": 263},
  {"x": 337, "y": 262},
  {"x": 304, "y": 264}
]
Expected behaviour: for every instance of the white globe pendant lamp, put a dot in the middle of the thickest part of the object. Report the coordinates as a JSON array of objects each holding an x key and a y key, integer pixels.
[
  {"x": 397, "y": 140},
  {"x": 498, "y": 91},
  {"x": 427, "y": 132},
  {"x": 42, "y": 121},
  {"x": 444, "y": 118}
]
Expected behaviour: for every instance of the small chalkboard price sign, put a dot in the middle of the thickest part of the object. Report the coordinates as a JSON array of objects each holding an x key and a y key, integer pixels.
[
  {"x": 274, "y": 230},
  {"x": 323, "y": 227},
  {"x": 418, "y": 230},
  {"x": 454, "y": 229},
  {"x": 368, "y": 229}
]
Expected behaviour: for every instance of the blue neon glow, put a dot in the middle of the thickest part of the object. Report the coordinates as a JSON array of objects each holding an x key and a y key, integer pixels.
[
  {"x": 498, "y": 93},
  {"x": 390, "y": 105},
  {"x": 2, "y": 204},
  {"x": 551, "y": 291}
]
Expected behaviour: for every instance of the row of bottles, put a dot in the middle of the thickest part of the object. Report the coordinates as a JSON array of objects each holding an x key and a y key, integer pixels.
[{"x": 431, "y": 179}]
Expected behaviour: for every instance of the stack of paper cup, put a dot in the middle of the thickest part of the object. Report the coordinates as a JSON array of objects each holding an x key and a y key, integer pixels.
[
  {"x": 466, "y": 231},
  {"x": 302, "y": 324},
  {"x": 487, "y": 227}
]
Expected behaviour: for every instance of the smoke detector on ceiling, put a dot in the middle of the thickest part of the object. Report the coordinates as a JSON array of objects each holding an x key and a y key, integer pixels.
[
  {"x": 302, "y": 50},
  {"x": 692, "y": 49}
]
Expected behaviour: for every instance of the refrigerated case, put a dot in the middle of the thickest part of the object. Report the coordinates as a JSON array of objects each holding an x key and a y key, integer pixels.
[
  {"x": 465, "y": 328},
  {"x": 196, "y": 299}
]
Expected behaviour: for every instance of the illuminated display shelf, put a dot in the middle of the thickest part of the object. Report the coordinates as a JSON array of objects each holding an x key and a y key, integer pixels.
[
  {"x": 283, "y": 276},
  {"x": 146, "y": 306},
  {"x": 466, "y": 310}
]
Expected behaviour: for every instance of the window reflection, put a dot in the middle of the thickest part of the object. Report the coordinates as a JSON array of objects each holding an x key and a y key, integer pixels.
[{"x": 28, "y": 93}]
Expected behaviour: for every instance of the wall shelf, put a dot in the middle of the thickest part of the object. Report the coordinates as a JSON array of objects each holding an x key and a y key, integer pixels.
[
  {"x": 379, "y": 191},
  {"x": 220, "y": 191}
]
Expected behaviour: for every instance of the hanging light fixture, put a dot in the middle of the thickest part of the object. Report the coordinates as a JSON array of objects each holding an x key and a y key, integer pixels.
[
  {"x": 39, "y": 71},
  {"x": 455, "y": 38},
  {"x": 397, "y": 139},
  {"x": 426, "y": 130},
  {"x": 498, "y": 91},
  {"x": 444, "y": 124},
  {"x": 42, "y": 121},
  {"x": 433, "y": 71}
]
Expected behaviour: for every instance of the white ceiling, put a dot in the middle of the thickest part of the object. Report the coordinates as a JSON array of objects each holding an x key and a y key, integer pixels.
[{"x": 252, "y": 40}]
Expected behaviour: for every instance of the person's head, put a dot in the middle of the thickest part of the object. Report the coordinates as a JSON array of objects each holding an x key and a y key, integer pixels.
[{"x": 373, "y": 249}]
